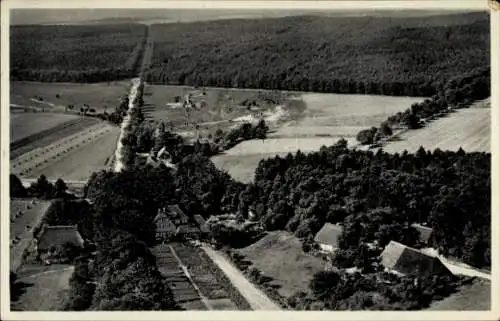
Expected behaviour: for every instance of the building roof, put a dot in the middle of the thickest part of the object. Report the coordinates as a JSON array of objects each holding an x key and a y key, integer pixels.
[
  {"x": 165, "y": 226},
  {"x": 176, "y": 212},
  {"x": 424, "y": 231},
  {"x": 183, "y": 229},
  {"x": 407, "y": 260},
  {"x": 59, "y": 235},
  {"x": 329, "y": 234},
  {"x": 202, "y": 224}
]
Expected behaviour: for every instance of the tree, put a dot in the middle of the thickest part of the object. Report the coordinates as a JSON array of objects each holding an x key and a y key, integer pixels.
[
  {"x": 366, "y": 136},
  {"x": 385, "y": 129},
  {"x": 16, "y": 187},
  {"x": 60, "y": 188}
]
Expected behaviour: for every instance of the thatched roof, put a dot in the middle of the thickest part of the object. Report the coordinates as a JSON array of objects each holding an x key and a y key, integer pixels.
[
  {"x": 201, "y": 223},
  {"x": 406, "y": 260},
  {"x": 58, "y": 236},
  {"x": 329, "y": 235},
  {"x": 425, "y": 232}
]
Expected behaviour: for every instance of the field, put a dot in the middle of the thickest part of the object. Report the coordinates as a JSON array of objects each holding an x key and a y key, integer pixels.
[
  {"x": 73, "y": 157},
  {"x": 25, "y": 215},
  {"x": 43, "y": 291},
  {"x": 91, "y": 53},
  {"x": 471, "y": 297},
  {"x": 279, "y": 255},
  {"x": 23, "y": 124},
  {"x": 56, "y": 96},
  {"x": 467, "y": 128},
  {"x": 323, "y": 120}
]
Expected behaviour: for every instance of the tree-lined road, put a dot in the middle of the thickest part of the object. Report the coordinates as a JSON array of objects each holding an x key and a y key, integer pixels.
[{"x": 257, "y": 299}]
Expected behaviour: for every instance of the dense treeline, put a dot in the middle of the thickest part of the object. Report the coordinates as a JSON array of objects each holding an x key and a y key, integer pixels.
[
  {"x": 85, "y": 53},
  {"x": 42, "y": 188},
  {"x": 366, "y": 55},
  {"x": 376, "y": 197}
]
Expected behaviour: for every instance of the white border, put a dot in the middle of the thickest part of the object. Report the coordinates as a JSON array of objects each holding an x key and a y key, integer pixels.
[{"x": 494, "y": 314}]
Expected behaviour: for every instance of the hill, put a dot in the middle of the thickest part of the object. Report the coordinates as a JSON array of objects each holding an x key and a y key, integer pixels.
[{"x": 390, "y": 55}]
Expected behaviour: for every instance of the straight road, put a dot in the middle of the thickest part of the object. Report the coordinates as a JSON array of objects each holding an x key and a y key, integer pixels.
[{"x": 257, "y": 299}]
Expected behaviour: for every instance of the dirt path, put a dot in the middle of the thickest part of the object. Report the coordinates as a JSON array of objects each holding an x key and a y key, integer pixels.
[{"x": 255, "y": 297}]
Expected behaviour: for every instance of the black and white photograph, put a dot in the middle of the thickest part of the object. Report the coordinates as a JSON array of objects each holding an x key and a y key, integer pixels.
[{"x": 209, "y": 158}]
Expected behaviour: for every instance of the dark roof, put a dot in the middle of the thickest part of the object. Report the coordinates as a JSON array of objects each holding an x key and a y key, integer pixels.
[
  {"x": 201, "y": 223},
  {"x": 182, "y": 229},
  {"x": 176, "y": 212},
  {"x": 407, "y": 260},
  {"x": 424, "y": 231},
  {"x": 329, "y": 234},
  {"x": 59, "y": 235}
]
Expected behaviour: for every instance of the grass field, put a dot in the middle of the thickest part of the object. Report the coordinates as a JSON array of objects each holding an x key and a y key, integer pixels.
[
  {"x": 96, "y": 95},
  {"x": 467, "y": 128},
  {"x": 279, "y": 255},
  {"x": 26, "y": 124},
  {"x": 44, "y": 291},
  {"x": 323, "y": 120},
  {"x": 74, "y": 158},
  {"x": 471, "y": 297},
  {"x": 24, "y": 217}
]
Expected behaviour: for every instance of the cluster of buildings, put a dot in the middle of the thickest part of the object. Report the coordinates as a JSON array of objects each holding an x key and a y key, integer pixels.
[
  {"x": 396, "y": 257},
  {"x": 173, "y": 224}
]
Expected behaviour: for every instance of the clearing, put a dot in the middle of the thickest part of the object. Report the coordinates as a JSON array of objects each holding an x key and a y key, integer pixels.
[
  {"x": 279, "y": 255},
  {"x": 73, "y": 158},
  {"x": 44, "y": 291},
  {"x": 471, "y": 297},
  {"x": 323, "y": 120},
  {"x": 467, "y": 128},
  {"x": 25, "y": 124},
  {"x": 25, "y": 215},
  {"x": 56, "y": 96}
]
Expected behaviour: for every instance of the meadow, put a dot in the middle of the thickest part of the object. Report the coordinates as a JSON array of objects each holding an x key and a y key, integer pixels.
[{"x": 25, "y": 124}]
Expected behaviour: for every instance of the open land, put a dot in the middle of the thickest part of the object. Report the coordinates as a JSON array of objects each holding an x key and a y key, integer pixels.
[
  {"x": 43, "y": 291},
  {"x": 279, "y": 255},
  {"x": 74, "y": 157},
  {"x": 469, "y": 129},
  {"x": 25, "y": 215},
  {"x": 25, "y": 124},
  {"x": 99, "y": 96},
  {"x": 325, "y": 119},
  {"x": 470, "y": 297}
]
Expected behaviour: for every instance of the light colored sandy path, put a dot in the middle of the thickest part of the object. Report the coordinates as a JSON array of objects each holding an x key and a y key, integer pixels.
[
  {"x": 255, "y": 297},
  {"x": 457, "y": 267}
]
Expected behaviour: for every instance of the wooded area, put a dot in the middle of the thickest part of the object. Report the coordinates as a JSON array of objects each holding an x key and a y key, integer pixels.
[
  {"x": 365, "y": 55},
  {"x": 76, "y": 53}
]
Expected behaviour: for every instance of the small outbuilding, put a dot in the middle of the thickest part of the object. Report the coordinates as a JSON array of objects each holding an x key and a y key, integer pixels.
[
  {"x": 425, "y": 233},
  {"x": 327, "y": 237},
  {"x": 405, "y": 260}
]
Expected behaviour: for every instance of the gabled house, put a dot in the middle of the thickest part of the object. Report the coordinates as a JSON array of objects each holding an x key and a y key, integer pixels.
[
  {"x": 175, "y": 213},
  {"x": 425, "y": 233},
  {"x": 165, "y": 228},
  {"x": 327, "y": 237},
  {"x": 405, "y": 260}
]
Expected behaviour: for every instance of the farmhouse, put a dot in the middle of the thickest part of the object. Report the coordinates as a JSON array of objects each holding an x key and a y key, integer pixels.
[
  {"x": 175, "y": 213},
  {"x": 405, "y": 260},
  {"x": 424, "y": 232},
  {"x": 165, "y": 228},
  {"x": 186, "y": 232},
  {"x": 327, "y": 237}
]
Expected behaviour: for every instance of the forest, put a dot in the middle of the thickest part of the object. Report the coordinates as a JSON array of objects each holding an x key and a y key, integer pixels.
[
  {"x": 365, "y": 55},
  {"x": 72, "y": 53}
]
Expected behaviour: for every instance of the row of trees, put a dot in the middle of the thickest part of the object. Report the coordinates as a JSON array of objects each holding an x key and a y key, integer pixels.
[
  {"x": 365, "y": 55},
  {"x": 42, "y": 188},
  {"x": 85, "y": 53}
]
